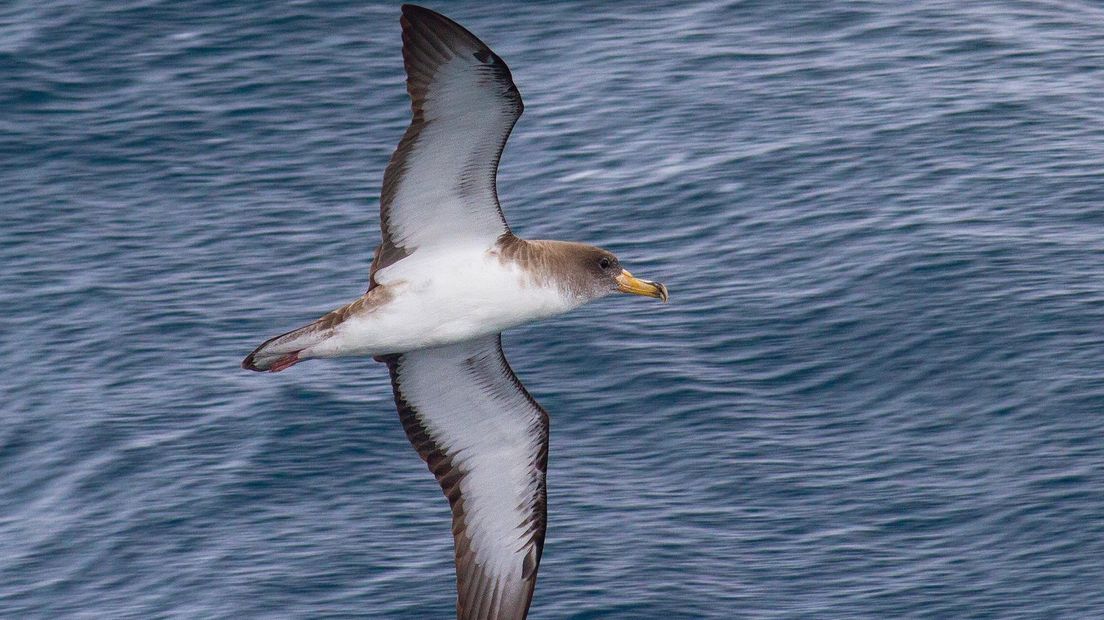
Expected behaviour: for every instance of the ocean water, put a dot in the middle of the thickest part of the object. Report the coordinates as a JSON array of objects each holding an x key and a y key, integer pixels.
[{"x": 877, "y": 392}]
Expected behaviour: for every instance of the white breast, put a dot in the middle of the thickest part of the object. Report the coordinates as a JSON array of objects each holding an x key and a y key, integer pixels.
[{"x": 443, "y": 299}]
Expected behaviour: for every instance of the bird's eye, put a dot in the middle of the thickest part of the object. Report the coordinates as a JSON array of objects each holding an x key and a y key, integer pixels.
[{"x": 604, "y": 263}]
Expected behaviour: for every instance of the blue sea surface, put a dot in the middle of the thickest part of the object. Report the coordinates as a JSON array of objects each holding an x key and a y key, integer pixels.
[{"x": 877, "y": 392}]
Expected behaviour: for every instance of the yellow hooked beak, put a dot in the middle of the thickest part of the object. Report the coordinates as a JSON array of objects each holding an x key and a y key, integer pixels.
[{"x": 626, "y": 283}]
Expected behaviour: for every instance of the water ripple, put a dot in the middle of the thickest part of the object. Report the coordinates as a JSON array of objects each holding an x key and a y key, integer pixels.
[{"x": 875, "y": 393}]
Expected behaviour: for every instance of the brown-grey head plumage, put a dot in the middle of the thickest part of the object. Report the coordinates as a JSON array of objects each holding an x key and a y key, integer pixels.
[{"x": 578, "y": 269}]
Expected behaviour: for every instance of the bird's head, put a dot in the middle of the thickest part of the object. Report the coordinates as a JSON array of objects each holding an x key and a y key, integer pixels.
[
  {"x": 603, "y": 274},
  {"x": 585, "y": 272}
]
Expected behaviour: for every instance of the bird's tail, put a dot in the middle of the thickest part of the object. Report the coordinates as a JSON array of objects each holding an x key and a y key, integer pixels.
[{"x": 284, "y": 350}]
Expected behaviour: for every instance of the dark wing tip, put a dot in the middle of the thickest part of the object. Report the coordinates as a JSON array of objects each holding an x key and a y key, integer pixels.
[
  {"x": 431, "y": 39},
  {"x": 413, "y": 11},
  {"x": 422, "y": 23},
  {"x": 414, "y": 15}
]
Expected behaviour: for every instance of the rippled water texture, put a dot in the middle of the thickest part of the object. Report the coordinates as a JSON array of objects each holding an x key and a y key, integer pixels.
[{"x": 877, "y": 391}]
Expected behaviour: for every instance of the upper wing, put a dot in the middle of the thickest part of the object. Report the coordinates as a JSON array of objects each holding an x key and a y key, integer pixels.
[
  {"x": 486, "y": 441},
  {"x": 440, "y": 184}
]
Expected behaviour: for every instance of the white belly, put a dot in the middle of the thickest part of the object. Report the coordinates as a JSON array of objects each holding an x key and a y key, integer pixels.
[{"x": 444, "y": 300}]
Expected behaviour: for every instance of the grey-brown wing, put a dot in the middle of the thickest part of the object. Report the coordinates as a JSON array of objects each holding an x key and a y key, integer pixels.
[
  {"x": 486, "y": 441},
  {"x": 439, "y": 187}
]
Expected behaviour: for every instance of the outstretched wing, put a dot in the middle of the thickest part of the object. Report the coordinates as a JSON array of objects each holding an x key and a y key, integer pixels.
[
  {"x": 439, "y": 187},
  {"x": 486, "y": 441}
]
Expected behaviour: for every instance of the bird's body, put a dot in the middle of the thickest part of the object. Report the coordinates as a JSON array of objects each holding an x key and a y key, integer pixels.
[
  {"x": 443, "y": 297},
  {"x": 447, "y": 279},
  {"x": 472, "y": 293}
]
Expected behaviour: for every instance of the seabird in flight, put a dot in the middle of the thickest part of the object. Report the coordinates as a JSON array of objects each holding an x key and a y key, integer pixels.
[{"x": 447, "y": 279}]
